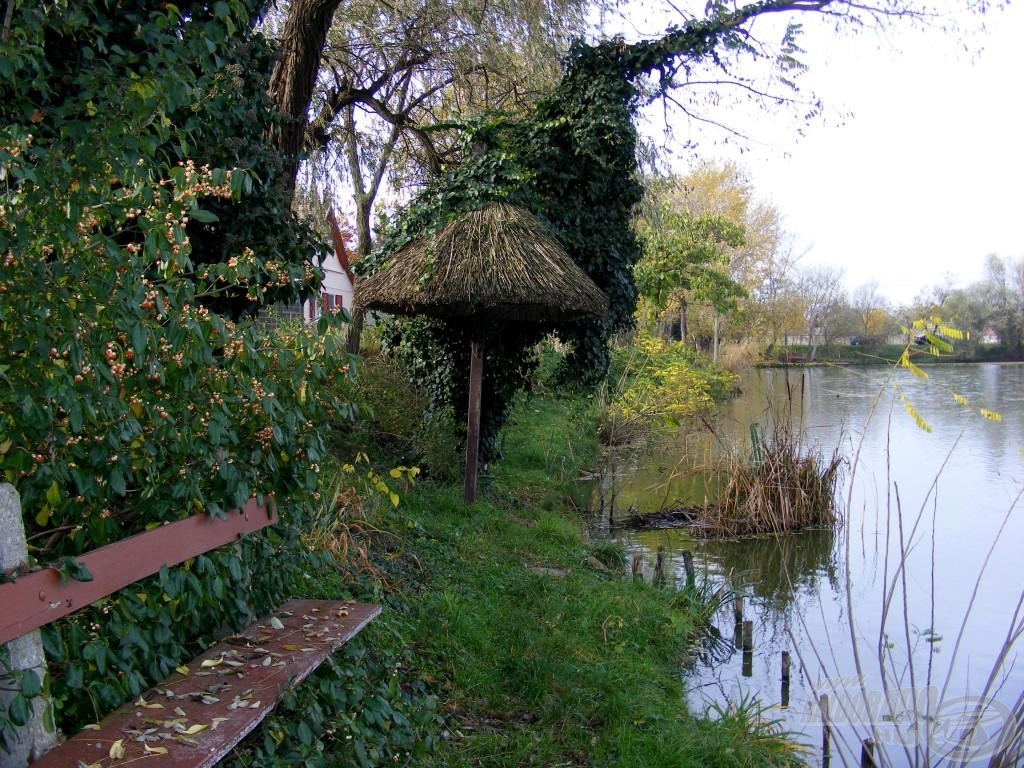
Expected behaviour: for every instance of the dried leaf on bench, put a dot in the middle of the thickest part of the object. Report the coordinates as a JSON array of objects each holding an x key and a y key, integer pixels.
[
  {"x": 276, "y": 623},
  {"x": 155, "y": 750},
  {"x": 117, "y": 750},
  {"x": 182, "y": 670},
  {"x": 217, "y": 721}
]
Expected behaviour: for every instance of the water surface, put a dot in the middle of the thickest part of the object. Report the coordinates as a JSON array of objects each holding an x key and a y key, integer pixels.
[{"x": 855, "y": 623}]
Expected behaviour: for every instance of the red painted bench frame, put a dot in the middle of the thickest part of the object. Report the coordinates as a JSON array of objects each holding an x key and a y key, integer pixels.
[{"x": 249, "y": 672}]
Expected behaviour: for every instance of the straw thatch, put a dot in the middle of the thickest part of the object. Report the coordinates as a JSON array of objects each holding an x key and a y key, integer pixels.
[{"x": 495, "y": 263}]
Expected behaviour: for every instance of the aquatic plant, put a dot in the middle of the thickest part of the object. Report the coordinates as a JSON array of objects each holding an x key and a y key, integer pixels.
[{"x": 783, "y": 485}]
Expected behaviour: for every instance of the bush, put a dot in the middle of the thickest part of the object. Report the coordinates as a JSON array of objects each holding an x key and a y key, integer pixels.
[{"x": 132, "y": 389}]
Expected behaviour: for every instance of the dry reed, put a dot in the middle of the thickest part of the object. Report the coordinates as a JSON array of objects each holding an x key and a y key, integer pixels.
[
  {"x": 496, "y": 262},
  {"x": 782, "y": 486}
]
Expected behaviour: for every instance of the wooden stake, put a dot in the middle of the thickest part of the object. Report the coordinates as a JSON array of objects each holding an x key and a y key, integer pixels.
[
  {"x": 659, "y": 566},
  {"x": 867, "y": 754},
  {"x": 688, "y": 567},
  {"x": 748, "y": 649},
  {"x": 638, "y": 567},
  {"x": 785, "y": 680},
  {"x": 476, "y": 370},
  {"x": 823, "y": 703}
]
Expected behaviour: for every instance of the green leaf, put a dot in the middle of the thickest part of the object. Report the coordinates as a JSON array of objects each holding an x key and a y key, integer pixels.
[
  {"x": 31, "y": 685},
  {"x": 73, "y": 569},
  {"x": 18, "y": 710},
  {"x": 53, "y": 494},
  {"x": 203, "y": 216}
]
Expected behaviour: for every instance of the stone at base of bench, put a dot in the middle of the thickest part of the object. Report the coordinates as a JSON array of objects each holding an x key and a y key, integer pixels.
[{"x": 200, "y": 716}]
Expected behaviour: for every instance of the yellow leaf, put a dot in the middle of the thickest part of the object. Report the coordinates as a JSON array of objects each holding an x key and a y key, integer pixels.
[
  {"x": 208, "y": 663},
  {"x": 182, "y": 670},
  {"x": 155, "y": 750},
  {"x": 394, "y": 499},
  {"x": 194, "y": 729},
  {"x": 990, "y": 415},
  {"x": 117, "y": 750},
  {"x": 291, "y": 647}
]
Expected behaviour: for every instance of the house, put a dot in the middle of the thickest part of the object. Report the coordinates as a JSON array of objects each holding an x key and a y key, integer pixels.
[{"x": 339, "y": 282}]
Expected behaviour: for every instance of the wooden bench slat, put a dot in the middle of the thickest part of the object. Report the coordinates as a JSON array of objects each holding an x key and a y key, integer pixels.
[
  {"x": 236, "y": 673},
  {"x": 38, "y": 598}
]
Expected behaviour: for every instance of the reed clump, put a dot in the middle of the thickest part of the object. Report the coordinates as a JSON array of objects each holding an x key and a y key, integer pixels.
[{"x": 784, "y": 485}]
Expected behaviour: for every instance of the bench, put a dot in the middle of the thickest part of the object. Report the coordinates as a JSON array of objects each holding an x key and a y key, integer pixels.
[{"x": 197, "y": 715}]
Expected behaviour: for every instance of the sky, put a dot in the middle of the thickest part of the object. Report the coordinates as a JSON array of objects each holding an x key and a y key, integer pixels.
[{"x": 914, "y": 175}]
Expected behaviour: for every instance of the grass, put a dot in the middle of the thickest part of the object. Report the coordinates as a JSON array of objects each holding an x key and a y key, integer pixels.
[{"x": 538, "y": 653}]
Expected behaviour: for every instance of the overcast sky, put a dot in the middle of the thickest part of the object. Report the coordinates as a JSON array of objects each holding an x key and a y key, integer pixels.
[{"x": 923, "y": 177}]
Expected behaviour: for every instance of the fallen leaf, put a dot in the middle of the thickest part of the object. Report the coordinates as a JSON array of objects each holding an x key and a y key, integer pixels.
[
  {"x": 155, "y": 750},
  {"x": 276, "y": 623},
  {"x": 217, "y": 721},
  {"x": 117, "y": 750},
  {"x": 291, "y": 647},
  {"x": 182, "y": 670},
  {"x": 91, "y": 727},
  {"x": 207, "y": 663},
  {"x": 196, "y": 728}
]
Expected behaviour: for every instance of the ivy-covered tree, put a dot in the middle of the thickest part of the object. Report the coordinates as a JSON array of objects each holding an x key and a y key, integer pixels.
[{"x": 573, "y": 163}]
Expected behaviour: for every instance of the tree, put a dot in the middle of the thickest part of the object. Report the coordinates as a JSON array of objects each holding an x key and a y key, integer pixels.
[
  {"x": 134, "y": 390},
  {"x": 823, "y": 298},
  {"x": 573, "y": 163},
  {"x": 871, "y": 309},
  {"x": 395, "y": 77},
  {"x": 685, "y": 254},
  {"x": 1003, "y": 294}
]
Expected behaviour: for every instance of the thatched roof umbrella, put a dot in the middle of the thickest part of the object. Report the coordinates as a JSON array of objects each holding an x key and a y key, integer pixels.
[{"x": 497, "y": 263}]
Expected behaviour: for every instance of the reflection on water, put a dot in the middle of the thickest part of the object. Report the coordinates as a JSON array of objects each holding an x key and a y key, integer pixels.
[{"x": 854, "y": 607}]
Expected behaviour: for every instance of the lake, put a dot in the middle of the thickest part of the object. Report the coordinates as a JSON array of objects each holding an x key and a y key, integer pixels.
[{"x": 905, "y": 615}]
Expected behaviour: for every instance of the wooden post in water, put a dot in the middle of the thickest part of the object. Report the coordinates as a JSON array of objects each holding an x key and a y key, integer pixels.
[
  {"x": 785, "y": 679},
  {"x": 691, "y": 577},
  {"x": 737, "y": 612},
  {"x": 867, "y": 753},
  {"x": 823, "y": 703},
  {"x": 659, "y": 567},
  {"x": 638, "y": 567},
  {"x": 748, "y": 648}
]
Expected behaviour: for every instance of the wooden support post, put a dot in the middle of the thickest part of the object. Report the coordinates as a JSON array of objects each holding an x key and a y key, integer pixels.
[
  {"x": 659, "y": 567},
  {"x": 823, "y": 704},
  {"x": 748, "y": 648},
  {"x": 867, "y": 753},
  {"x": 638, "y": 567},
  {"x": 737, "y": 612},
  {"x": 785, "y": 680},
  {"x": 476, "y": 372},
  {"x": 688, "y": 567}
]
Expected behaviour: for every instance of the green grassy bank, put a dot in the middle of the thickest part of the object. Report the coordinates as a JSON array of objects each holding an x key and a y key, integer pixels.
[{"x": 529, "y": 643}]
